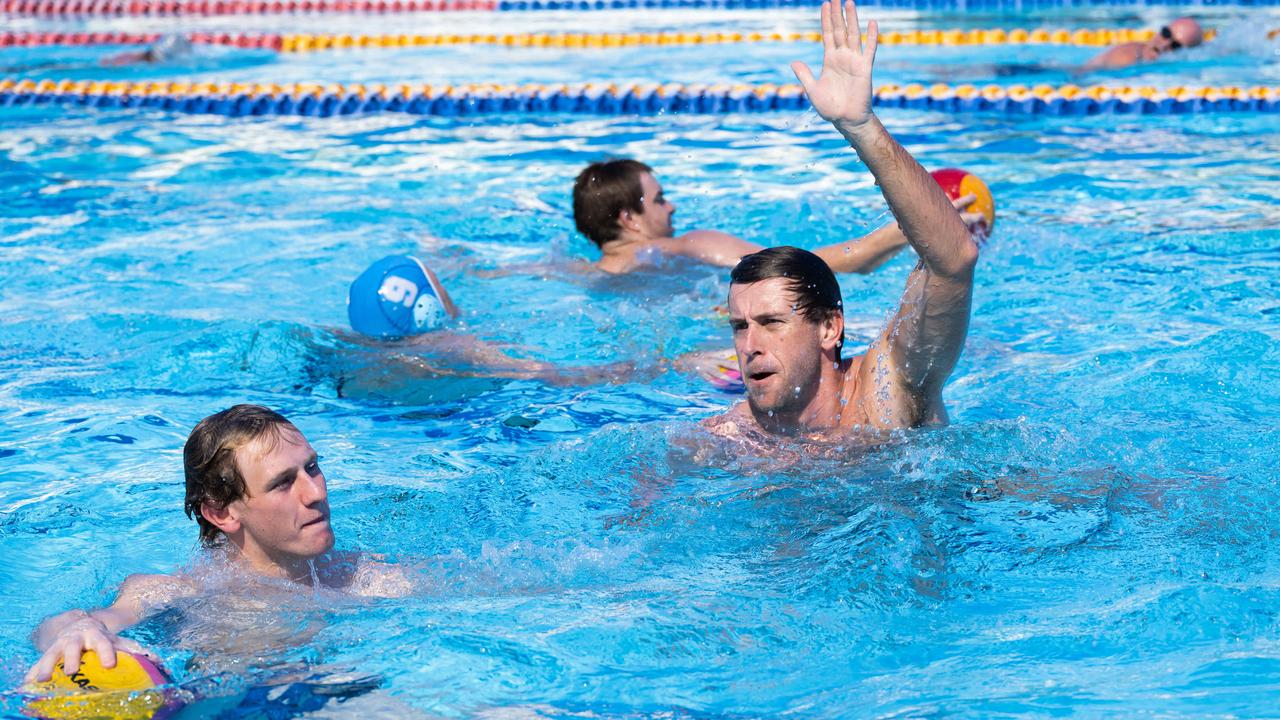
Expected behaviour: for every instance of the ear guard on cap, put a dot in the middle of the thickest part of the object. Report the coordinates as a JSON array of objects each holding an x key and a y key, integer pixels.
[{"x": 395, "y": 297}]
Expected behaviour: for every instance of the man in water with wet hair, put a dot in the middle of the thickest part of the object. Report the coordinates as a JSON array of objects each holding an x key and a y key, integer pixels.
[
  {"x": 256, "y": 490},
  {"x": 784, "y": 303},
  {"x": 1184, "y": 32},
  {"x": 620, "y": 206}
]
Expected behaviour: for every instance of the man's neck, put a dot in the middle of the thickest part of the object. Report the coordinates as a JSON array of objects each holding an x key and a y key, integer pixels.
[{"x": 299, "y": 570}]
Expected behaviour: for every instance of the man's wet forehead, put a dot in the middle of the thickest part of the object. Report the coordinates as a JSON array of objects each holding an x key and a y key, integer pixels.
[
  {"x": 274, "y": 448},
  {"x": 764, "y": 297}
]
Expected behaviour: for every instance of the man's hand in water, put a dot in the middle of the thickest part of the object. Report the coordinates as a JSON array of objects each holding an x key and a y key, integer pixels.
[
  {"x": 842, "y": 94},
  {"x": 76, "y": 632},
  {"x": 975, "y": 221}
]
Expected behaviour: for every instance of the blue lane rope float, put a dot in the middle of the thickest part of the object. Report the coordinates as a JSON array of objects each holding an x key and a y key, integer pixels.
[
  {"x": 169, "y": 8},
  {"x": 315, "y": 100}
]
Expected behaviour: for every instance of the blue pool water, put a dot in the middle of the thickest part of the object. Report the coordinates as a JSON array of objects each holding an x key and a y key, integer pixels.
[{"x": 1095, "y": 533}]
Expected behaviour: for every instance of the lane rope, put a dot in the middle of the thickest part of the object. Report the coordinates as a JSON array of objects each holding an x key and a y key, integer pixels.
[
  {"x": 51, "y": 8},
  {"x": 1096, "y": 37},
  {"x": 327, "y": 100}
]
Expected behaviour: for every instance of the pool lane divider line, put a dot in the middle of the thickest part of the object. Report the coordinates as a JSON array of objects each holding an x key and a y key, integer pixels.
[
  {"x": 309, "y": 43},
  {"x": 317, "y": 100},
  {"x": 198, "y": 8},
  {"x": 170, "y": 8}
]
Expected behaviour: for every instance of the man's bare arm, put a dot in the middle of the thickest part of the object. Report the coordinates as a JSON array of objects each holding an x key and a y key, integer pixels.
[
  {"x": 66, "y": 636},
  {"x": 863, "y": 255},
  {"x": 926, "y": 336},
  {"x": 710, "y": 246},
  {"x": 867, "y": 253}
]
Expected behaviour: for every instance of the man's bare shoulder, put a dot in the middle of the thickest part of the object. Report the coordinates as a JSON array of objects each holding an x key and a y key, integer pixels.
[
  {"x": 375, "y": 578},
  {"x": 367, "y": 575},
  {"x": 143, "y": 592}
]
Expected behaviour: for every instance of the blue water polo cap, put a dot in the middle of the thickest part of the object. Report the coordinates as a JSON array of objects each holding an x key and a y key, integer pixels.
[{"x": 394, "y": 298}]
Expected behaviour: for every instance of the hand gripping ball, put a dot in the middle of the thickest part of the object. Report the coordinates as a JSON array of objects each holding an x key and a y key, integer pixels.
[
  {"x": 128, "y": 691},
  {"x": 958, "y": 183}
]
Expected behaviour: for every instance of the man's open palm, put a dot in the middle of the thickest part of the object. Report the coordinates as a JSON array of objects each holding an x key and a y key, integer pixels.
[{"x": 842, "y": 94}]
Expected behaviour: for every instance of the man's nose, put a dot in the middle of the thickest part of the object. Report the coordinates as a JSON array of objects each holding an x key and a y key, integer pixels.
[{"x": 312, "y": 487}]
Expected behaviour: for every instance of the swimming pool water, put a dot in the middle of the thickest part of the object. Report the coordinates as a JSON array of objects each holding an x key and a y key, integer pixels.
[{"x": 1093, "y": 535}]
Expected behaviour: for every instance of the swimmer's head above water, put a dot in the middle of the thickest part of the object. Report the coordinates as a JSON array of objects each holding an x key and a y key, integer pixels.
[
  {"x": 1182, "y": 33},
  {"x": 253, "y": 480},
  {"x": 787, "y": 319},
  {"x": 167, "y": 48},
  {"x": 620, "y": 198},
  {"x": 398, "y": 296}
]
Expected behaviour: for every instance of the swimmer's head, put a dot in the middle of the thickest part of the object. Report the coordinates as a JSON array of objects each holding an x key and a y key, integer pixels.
[
  {"x": 1182, "y": 33},
  {"x": 213, "y": 476},
  {"x": 602, "y": 192},
  {"x": 813, "y": 286},
  {"x": 788, "y": 329},
  {"x": 396, "y": 297},
  {"x": 168, "y": 47}
]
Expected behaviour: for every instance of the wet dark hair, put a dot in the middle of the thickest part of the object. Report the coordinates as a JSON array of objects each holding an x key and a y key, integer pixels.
[
  {"x": 209, "y": 460},
  {"x": 602, "y": 191},
  {"x": 808, "y": 277}
]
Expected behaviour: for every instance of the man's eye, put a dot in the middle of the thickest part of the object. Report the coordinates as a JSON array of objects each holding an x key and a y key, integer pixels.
[{"x": 313, "y": 468}]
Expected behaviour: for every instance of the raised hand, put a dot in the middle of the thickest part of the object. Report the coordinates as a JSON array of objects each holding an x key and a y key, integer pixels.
[{"x": 842, "y": 94}]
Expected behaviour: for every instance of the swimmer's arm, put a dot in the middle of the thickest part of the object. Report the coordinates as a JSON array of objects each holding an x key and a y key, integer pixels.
[
  {"x": 710, "y": 246},
  {"x": 1116, "y": 57},
  {"x": 443, "y": 294},
  {"x": 537, "y": 269},
  {"x": 865, "y": 254},
  {"x": 925, "y": 337},
  {"x": 922, "y": 342},
  {"x": 66, "y": 636},
  {"x": 470, "y": 356}
]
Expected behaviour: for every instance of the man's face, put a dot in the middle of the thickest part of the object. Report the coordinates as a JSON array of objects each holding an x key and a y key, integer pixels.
[
  {"x": 780, "y": 351},
  {"x": 656, "y": 212},
  {"x": 285, "y": 511}
]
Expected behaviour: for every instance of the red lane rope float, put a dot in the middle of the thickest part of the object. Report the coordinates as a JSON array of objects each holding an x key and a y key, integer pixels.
[
  {"x": 167, "y": 8},
  {"x": 302, "y": 42},
  {"x": 298, "y": 42},
  {"x": 266, "y": 41}
]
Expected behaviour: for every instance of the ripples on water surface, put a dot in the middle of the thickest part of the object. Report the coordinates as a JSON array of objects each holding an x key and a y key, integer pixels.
[{"x": 1094, "y": 533}]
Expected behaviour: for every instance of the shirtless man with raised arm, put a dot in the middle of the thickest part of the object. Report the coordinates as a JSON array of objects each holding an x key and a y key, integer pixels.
[
  {"x": 620, "y": 206},
  {"x": 784, "y": 304},
  {"x": 254, "y": 486}
]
